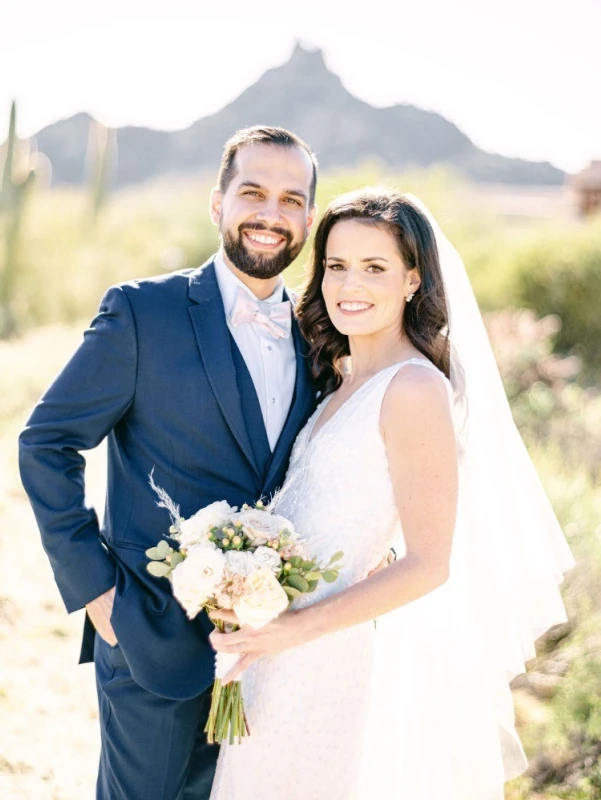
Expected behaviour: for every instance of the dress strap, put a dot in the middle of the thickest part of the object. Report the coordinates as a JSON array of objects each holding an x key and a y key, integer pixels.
[
  {"x": 391, "y": 371},
  {"x": 385, "y": 378}
]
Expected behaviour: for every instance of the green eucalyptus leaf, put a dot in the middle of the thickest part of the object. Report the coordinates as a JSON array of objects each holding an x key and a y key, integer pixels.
[
  {"x": 312, "y": 576},
  {"x": 337, "y": 556},
  {"x": 298, "y": 582},
  {"x": 313, "y": 585},
  {"x": 308, "y": 565},
  {"x": 296, "y": 561},
  {"x": 330, "y": 575},
  {"x": 291, "y": 591},
  {"x": 159, "y": 569},
  {"x": 294, "y": 571},
  {"x": 153, "y": 552},
  {"x": 176, "y": 559}
]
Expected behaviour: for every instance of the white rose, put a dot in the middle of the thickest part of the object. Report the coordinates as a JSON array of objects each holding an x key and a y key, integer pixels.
[
  {"x": 267, "y": 557},
  {"x": 284, "y": 524},
  {"x": 195, "y": 579},
  {"x": 257, "y": 525},
  {"x": 260, "y": 526},
  {"x": 263, "y": 599},
  {"x": 196, "y": 529},
  {"x": 239, "y": 562}
]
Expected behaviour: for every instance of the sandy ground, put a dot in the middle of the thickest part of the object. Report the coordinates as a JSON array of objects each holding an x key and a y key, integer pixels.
[{"x": 48, "y": 732}]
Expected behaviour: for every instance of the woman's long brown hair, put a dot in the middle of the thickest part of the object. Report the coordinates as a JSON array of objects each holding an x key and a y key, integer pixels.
[{"x": 425, "y": 319}]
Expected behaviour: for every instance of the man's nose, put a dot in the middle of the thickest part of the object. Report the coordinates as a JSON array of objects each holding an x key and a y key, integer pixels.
[{"x": 269, "y": 212}]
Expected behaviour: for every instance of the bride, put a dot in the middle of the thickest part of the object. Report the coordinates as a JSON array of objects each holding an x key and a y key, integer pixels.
[{"x": 412, "y": 446}]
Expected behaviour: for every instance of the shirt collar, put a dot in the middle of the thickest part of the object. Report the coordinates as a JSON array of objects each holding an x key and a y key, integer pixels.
[{"x": 229, "y": 284}]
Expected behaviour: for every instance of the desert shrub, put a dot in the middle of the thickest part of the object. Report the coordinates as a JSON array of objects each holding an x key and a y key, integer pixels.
[
  {"x": 549, "y": 404},
  {"x": 561, "y": 274}
]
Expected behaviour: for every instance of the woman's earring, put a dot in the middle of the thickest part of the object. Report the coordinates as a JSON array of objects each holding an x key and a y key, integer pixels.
[{"x": 410, "y": 297}]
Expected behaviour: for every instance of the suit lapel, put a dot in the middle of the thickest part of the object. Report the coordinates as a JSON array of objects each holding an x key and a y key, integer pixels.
[
  {"x": 213, "y": 338},
  {"x": 303, "y": 405}
]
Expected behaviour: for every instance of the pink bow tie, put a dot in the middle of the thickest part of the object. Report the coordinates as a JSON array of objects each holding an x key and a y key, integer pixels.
[{"x": 273, "y": 317}]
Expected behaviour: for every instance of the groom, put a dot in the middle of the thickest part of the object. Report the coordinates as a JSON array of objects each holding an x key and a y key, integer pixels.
[{"x": 201, "y": 376}]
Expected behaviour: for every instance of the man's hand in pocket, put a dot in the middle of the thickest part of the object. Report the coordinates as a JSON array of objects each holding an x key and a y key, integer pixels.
[{"x": 99, "y": 611}]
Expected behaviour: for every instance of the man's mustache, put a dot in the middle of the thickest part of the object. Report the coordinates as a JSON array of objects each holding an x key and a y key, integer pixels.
[{"x": 256, "y": 226}]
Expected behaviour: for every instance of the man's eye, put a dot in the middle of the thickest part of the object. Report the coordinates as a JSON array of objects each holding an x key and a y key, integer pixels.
[
  {"x": 252, "y": 192},
  {"x": 293, "y": 200}
]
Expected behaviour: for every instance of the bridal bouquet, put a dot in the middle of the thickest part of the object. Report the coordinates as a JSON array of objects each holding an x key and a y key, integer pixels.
[{"x": 251, "y": 561}]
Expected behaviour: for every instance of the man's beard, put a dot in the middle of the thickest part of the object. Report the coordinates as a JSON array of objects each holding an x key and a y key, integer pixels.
[{"x": 258, "y": 265}]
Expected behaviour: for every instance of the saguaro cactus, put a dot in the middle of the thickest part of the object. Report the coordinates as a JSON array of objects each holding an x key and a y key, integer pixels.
[{"x": 17, "y": 177}]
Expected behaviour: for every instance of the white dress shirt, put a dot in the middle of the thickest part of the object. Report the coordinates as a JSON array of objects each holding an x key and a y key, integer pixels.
[{"x": 271, "y": 362}]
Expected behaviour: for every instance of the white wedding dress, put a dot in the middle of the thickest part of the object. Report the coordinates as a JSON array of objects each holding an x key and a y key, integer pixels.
[{"x": 324, "y": 724}]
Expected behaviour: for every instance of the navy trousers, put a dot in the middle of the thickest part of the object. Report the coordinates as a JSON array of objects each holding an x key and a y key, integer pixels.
[{"x": 152, "y": 748}]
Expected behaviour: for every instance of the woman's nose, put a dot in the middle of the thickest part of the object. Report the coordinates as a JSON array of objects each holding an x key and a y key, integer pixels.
[{"x": 352, "y": 282}]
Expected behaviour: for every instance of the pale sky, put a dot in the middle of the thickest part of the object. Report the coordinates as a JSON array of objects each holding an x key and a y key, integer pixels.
[{"x": 520, "y": 77}]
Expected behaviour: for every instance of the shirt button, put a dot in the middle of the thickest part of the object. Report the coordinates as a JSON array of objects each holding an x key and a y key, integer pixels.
[
  {"x": 273, "y": 400},
  {"x": 269, "y": 347}
]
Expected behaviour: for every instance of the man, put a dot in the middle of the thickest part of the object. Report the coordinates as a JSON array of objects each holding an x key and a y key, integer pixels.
[{"x": 201, "y": 376}]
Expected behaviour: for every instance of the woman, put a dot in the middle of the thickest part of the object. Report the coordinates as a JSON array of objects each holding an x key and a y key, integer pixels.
[{"x": 412, "y": 444}]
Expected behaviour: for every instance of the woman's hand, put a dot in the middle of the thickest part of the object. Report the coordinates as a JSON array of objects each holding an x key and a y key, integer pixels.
[{"x": 280, "y": 634}]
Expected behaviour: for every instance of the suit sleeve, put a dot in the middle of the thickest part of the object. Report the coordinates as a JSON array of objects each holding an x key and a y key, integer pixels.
[{"x": 80, "y": 408}]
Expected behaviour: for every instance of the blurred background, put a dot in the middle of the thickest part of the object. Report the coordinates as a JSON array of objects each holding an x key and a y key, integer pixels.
[{"x": 112, "y": 122}]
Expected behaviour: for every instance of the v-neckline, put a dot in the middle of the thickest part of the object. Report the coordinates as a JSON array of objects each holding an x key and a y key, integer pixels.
[{"x": 314, "y": 435}]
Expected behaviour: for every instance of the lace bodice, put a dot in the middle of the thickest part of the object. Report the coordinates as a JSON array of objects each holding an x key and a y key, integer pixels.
[{"x": 338, "y": 490}]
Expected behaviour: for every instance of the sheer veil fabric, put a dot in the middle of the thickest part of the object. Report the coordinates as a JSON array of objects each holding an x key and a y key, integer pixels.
[{"x": 478, "y": 630}]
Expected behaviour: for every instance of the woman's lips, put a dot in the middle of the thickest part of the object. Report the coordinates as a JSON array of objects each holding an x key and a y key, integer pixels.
[{"x": 355, "y": 307}]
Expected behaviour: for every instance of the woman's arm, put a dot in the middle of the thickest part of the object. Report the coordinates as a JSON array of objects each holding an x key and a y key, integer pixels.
[{"x": 422, "y": 457}]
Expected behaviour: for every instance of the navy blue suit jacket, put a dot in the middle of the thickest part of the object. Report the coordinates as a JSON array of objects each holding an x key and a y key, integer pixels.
[{"x": 155, "y": 374}]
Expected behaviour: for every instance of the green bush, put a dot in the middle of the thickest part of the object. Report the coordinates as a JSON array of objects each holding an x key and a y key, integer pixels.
[
  {"x": 577, "y": 705},
  {"x": 561, "y": 274}
]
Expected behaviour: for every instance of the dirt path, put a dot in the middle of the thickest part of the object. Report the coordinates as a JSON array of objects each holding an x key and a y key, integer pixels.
[{"x": 48, "y": 730}]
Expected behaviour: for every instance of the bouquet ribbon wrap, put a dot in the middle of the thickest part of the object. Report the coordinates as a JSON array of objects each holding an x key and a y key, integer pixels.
[{"x": 224, "y": 662}]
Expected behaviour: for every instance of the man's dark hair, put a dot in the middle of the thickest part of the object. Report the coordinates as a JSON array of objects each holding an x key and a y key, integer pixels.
[{"x": 261, "y": 134}]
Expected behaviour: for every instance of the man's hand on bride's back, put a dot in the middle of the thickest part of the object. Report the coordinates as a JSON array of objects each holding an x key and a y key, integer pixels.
[
  {"x": 99, "y": 611},
  {"x": 386, "y": 561}
]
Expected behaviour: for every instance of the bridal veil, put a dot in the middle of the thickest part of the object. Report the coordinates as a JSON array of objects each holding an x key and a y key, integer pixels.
[{"x": 442, "y": 722}]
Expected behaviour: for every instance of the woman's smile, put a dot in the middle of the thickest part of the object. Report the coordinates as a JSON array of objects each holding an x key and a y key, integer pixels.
[{"x": 354, "y": 307}]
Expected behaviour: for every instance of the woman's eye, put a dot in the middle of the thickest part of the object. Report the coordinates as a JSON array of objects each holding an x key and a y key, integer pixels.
[
  {"x": 335, "y": 267},
  {"x": 375, "y": 268}
]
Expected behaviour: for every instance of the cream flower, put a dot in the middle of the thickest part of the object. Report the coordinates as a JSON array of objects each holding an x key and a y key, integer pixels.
[
  {"x": 263, "y": 599},
  {"x": 196, "y": 578},
  {"x": 223, "y": 599},
  {"x": 261, "y": 526},
  {"x": 266, "y": 557},
  {"x": 240, "y": 562},
  {"x": 196, "y": 529}
]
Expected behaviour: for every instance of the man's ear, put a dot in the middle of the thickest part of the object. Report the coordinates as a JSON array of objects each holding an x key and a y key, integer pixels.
[
  {"x": 215, "y": 205},
  {"x": 313, "y": 211}
]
